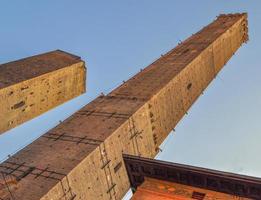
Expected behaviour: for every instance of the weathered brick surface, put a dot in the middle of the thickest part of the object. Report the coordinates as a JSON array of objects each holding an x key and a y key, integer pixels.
[
  {"x": 81, "y": 158},
  {"x": 34, "y": 85}
]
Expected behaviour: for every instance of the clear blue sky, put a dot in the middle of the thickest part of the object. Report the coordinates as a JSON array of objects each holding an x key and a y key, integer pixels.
[{"x": 116, "y": 39}]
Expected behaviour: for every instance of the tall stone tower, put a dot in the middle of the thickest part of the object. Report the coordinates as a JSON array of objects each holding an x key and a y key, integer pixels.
[{"x": 82, "y": 157}]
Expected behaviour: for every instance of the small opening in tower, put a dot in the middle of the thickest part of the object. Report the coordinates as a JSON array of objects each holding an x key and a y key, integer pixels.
[
  {"x": 189, "y": 86},
  {"x": 198, "y": 195}
]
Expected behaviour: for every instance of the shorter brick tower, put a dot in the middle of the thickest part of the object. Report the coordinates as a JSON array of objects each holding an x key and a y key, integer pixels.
[{"x": 31, "y": 86}]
